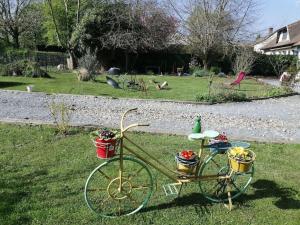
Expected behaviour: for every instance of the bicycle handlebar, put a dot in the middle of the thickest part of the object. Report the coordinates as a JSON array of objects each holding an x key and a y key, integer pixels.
[{"x": 133, "y": 125}]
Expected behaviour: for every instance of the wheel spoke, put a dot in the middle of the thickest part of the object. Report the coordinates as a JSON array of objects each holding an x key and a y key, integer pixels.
[
  {"x": 97, "y": 189},
  {"x": 107, "y": 200},
  {"x": 104, "y": 174},
  {"x": 218, "y": 165},
  {"x": 140, "y": 187},
  {"x": 135, "y": 174}
]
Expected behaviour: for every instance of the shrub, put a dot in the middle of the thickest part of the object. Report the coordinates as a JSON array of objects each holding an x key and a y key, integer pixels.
[
  {"x": 23, "y": 68},
  {"x": 224, "y": 96},
  {"x": 150, "y": 72},
  {"x": 201, "y": 73},
  {"x": 277, "y": 91},
  {"x": 61, "y": 114},
  {"x": 90, "y": 63},
  {"x": 272, "y": 65},
  {"x": 84, "y": 75},
  {"x": 215, "y": 69}
]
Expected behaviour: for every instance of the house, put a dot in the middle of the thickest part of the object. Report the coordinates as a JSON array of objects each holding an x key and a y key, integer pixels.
[{"x": 284, "y": 41}]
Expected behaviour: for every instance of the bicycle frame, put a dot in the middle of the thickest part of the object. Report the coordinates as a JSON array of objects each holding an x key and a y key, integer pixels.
[{"x": 173, "y": 175}]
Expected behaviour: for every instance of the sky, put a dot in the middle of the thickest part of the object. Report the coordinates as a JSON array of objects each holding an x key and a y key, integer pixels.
[{"x": 277, "y": 13}]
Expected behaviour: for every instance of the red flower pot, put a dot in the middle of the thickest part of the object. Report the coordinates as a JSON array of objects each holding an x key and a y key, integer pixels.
[{"x": 105, "y": 148}]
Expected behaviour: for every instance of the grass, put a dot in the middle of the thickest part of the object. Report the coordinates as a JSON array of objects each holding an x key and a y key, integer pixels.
[
  {"x": 43, "y": 176},
  {"x": 180, "y": 88}
]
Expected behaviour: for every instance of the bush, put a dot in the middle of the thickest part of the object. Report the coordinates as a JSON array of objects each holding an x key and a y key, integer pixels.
[
  {"x": 89, "y": 62},
  {"x": 224, "y": 96},
  {"x": 23, "y": 68},
  {"x": 277, "y": 91},
  {"x": 263, "y": 64},
  {"x": 201, "y": 73},
  {"x": 215, "y": 69}
]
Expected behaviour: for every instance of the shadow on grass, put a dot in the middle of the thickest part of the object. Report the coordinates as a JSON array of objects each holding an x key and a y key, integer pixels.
[
  {"x": 194, "y": 199},
  {"x": 269, "y": 189},
  {"x": 5, "y": 84},
  {"x": 263, "y": 189}
]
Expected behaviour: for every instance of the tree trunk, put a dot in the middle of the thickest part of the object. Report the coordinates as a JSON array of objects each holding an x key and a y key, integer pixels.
[
  {"x": 205, "y": 63},
  {"x": 72, "y": 61},
  {"x": 126, "y": 60},
  {"x": 16, "y": 41}
]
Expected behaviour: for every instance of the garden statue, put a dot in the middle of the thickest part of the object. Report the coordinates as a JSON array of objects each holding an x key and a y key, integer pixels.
[{"x": 197, "y": 126}]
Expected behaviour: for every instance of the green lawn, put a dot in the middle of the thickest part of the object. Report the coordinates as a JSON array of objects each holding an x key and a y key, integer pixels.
[
  {"x": 180, "y": 88},
  {"x": 43, "y": 175}
]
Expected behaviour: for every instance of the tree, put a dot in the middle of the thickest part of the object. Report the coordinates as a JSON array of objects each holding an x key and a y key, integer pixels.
[
  {"x": 244, "y": 59},
  {"x": 210, "y": 25},
  {"x": 131, "y": 26},
  {"x": 62, "y": 18},
  {"x": 16, "y": 18},
  {"x": 280, "y": 63}
]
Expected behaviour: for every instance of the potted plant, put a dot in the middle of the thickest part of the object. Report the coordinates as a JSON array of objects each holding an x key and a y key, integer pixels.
[
  {"x": 240, "y": 159},
  {"x": 106, "y": 142}
]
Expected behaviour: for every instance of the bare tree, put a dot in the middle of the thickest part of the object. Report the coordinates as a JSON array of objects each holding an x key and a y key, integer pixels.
[
  {"x": 209, "y": 25},
  {"x": 244, "y": 59},
  {"x": 15, "y": 19}
]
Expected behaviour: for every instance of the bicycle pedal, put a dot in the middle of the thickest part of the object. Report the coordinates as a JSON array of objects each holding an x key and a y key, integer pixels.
[{"x": 170, "y": 189}]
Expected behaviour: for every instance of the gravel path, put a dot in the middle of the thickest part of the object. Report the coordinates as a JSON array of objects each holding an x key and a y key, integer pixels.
[{"x": 275, "y": 120}]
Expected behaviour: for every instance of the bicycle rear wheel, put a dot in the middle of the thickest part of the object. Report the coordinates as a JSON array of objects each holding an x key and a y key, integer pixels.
[
  {"x": 216, "y": 190},
  {"x": 104, "y": 195}
]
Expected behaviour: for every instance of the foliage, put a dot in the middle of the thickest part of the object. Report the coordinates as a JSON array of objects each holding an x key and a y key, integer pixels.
[
  {"x": 272, "y": 65},
  {"x": 61, "y": 114},
  {"x": 201, "y": 72},
  {"x": 89, "y": 62},
  {"x": 223, "y": 96},
  {"x": 11, "y": 55},
  {"x": 216, "y": 70},
  {"x": 132, "y": 27},
  {"x": 244, "y": 59},
  {"x": 277, "y": 91},
  {"x": 18, "y": 18},
  {"x": 23, "y": 68}
]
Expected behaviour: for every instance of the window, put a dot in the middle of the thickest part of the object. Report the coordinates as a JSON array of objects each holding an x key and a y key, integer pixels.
[{"x": 284, "y": 36}]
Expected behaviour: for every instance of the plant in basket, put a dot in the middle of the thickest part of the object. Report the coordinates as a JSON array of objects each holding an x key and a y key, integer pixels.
[
  {"x": 221, "y": 138},
  {"x": 240, "y": 159},
  {"x": 106, "y": 142},
  {"x": 186, "y": 161}
]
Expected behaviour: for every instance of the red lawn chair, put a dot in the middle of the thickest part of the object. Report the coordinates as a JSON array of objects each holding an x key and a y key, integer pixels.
[{"x": 238, "y": 79}]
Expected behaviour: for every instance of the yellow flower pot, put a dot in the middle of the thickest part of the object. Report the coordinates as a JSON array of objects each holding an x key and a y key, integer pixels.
[{"x": 241, "y": 166}]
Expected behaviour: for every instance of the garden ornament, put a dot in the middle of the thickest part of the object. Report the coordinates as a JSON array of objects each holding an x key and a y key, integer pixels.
[
  {"x": 197, "y": 126},
  {"x": 112, "y": 82},
  {"x": 164, "y": 84},
  {"x": 114, "y": 71}
]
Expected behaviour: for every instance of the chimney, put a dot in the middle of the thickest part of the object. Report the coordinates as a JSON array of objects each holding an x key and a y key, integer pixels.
[{"x": 270, "y": 30}]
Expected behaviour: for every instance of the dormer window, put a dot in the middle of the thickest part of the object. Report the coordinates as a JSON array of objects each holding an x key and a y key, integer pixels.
[{"x": 283, "y": 35}]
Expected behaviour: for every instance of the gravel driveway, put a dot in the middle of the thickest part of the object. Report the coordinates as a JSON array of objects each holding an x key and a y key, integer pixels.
[{"x": 275, "y": 120}]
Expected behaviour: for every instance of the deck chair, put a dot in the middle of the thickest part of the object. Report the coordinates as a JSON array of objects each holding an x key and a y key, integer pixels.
[{"x": 241, "y": 76}]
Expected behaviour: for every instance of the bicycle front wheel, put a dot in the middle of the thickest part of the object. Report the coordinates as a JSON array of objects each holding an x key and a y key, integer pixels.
[
  {"x": 216, "y": 190},
  {"x": 110, "y": 196}
]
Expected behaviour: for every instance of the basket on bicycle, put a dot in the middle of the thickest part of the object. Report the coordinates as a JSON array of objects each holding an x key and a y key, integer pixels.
[
  {"x": 106, "y": 143},
  {"x": 240, "y": 159},
  {"x": 186, "y": 161}
]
